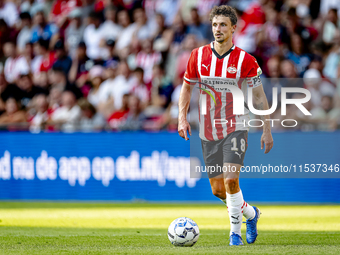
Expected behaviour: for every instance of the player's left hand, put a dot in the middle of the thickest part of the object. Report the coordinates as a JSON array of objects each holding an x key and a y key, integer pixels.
[{"x": 267, "y": 141}]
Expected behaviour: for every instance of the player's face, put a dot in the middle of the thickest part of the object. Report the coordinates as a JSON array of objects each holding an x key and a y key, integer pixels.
[{"x": 222, "y": 28}]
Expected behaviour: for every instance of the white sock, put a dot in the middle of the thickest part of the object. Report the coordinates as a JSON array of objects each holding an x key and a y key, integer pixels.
[
  {"x": 248, "y": 211},
  {"x": 234, "y": 204}
]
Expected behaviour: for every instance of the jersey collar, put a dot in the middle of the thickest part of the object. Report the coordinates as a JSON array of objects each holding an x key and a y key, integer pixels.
[{"x": 218, "y": 55}]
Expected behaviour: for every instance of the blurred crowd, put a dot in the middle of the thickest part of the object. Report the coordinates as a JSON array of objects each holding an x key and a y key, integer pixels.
[{"x": 92, "y": 65}]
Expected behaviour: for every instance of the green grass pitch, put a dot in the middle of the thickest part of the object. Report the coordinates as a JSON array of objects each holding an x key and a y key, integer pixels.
[{"x": 88, "y": 228}]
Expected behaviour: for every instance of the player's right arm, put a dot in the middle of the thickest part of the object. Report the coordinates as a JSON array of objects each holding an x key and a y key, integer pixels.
[
  {"x": 183, "y": 107},
  {"x": 190, "y": 79}
]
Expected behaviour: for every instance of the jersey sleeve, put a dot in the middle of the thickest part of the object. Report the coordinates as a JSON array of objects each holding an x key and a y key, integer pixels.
[
  {"x": 252, "y": 72},
  {"x": 190, "y": 75}
]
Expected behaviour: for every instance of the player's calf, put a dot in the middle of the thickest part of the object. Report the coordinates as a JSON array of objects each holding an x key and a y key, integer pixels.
[{"x": 218, "y": 188}]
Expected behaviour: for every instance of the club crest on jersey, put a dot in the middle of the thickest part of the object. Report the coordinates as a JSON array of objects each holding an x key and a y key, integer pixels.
[{"x": 231, "y": 69}]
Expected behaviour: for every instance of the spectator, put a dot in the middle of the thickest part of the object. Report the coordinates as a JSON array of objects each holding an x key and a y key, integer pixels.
[
  {"x": 74, "y": 32},
  {"x": 90, "y": 119},
  {"x": 28, "y": 54},
  {"x": 14, "y": 64},
  {"x": 41, "y": 80},
  {"x": 47, "y": 58},
  {"x": 39, "y": 120},
  {"x": 113, "y": 59},
  {"x": 111, "y": 30},
  {"x": 96, "y": 78},
  {"x": 7, "y": 34},
  {"x": 173, "y": 109},
  {"x": 182, "y": 57},
  {"x": 128, "y": 30},
  {"x": 317, "y": 86},
  {"x": 167, "y": 9},
  {"x": 42, "y": 29},
  {"x": 285, "y": 43},
  {"x": 106, "y": 106},
  {"x": 147, "y": 58},
  {"x": 201, "y": 30},
  {"x": 32, "y": 7},
  {"x": 297, "y": 54},
  {"x": 88, "y": 7},
  {"x": 25, "y": 33},
  {"x": 330, "y": 69},
  {"x": 325, "y": 116},
  {"x": 119, "y": 116},
  {"x": 162, "y": 88},
  {"x": 267, "y": 38},
  {"x": 331, "y": 28},
  {"x": 61, "y": 10},
  {"x": 58, "y": 79},
  {"x": 54, "y": 99},
  {"x": 273, "y": 80},
  {"x": 8, "y": 91},
  {"x": 67, "y": 116},
  {"x": 290, "y": 75},
  {"x": 13, "y": 114},
  {"x": 163, "y": 36},
  {"x": 113, "y": 91},
  {"x": 179, "y": 30},
  {"x": 28, "y": 90},
  {"x": 293, "y": 26},
  {"x": 8, "y": 12},
  {"x": 250, "y": 22},
  {"x": 159, "y": 19},
  {"x": 146, "y": 28},
  {"x": 135, "y": 118},
  {"x": 93, "y": 34},
  {"x": 288, "y": 69},
  {"x": 62, "y": 61},
  {"x": 316, "y": 63},
  {"x": 139, "y": 88},
  {"x": 81, "y": 65}
]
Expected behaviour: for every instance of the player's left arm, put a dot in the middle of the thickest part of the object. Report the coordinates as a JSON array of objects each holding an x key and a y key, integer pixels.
[{"x": 261, "y": 103}]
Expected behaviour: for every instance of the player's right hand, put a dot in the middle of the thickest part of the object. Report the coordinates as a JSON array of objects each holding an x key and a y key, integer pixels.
[{"x": 183, "y": 127}]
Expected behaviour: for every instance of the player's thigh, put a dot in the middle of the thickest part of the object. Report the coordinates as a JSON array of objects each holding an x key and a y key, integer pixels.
[
  {"x": 235, "y": 148},
  {"x": 213, "y": 157}
]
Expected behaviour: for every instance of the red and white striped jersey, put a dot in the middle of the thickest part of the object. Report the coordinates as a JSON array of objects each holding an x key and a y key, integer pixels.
[{"x": 212, "y": 71}]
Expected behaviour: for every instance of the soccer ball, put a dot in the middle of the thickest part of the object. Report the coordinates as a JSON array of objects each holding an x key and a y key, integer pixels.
[{"x": 183, "y": 232}]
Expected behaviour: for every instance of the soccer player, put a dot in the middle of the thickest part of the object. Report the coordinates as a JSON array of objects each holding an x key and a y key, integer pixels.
[{"x": 223, "y": 134}]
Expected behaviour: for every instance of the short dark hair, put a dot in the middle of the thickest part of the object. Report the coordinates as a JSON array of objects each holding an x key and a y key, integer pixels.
[
  {"x": 95, "y": 15},
  {"x": 139, "y": 70},
  {"x": 224, "y": 10},
  {"x": 44, "y": 43},
  {"x": 86, "y": 105},
  {"x": 25, "y": 15},
  {"x": 58, "y": 69}
]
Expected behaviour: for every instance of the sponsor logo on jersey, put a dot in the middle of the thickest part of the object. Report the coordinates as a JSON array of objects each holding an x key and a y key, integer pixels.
[
  {"x": 206, "y": 67},
  {"x": 219, "y": 83},
  {"x": 231, "y": 69},
  {"x": 216, "y": 84}
]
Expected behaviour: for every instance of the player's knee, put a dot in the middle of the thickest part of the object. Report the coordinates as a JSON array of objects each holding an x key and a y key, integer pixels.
[
  {"x": 231, "y": 183},
  {"x": 218, "y": 193}
]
